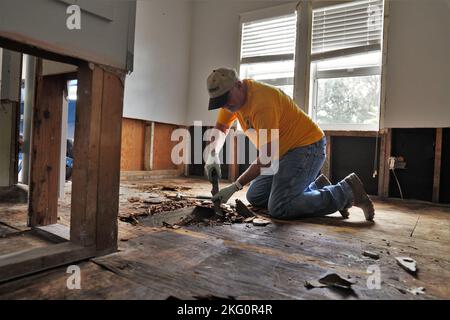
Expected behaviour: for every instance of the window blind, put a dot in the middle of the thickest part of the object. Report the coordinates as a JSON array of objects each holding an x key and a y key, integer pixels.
[
  {"x": 274, "y": 37},
  {"x": 356, "y": 25}
]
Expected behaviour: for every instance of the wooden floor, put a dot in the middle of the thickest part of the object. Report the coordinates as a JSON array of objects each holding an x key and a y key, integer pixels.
[{"x": 272, "y": 262}]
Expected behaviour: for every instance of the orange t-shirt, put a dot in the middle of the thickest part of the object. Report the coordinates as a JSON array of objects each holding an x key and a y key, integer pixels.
[{"x": 269, "y": 108}]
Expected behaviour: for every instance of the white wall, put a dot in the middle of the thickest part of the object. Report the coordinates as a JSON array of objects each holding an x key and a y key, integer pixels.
[
  {"x": 106, "y": 34},
  {"x": 215, "y": 37},
  {"x": 157, "y": 89},
  {"x": 418, "y": 64}
]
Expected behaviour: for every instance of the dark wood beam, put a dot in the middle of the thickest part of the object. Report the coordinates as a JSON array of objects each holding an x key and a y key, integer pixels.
[{"x": 45, "y": 150}]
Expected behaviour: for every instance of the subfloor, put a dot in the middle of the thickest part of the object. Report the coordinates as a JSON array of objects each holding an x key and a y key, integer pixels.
[{"x": 241, "y": 260}]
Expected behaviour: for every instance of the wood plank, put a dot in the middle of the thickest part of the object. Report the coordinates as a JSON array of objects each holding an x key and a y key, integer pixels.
[
  {"x": 437, "y": 165},
  {"x": 11, "y": 70},
  {"x": 148, "y": 146},
  {"x": 133, "y": 146},
  {"x": 386, "y": 172},
  {"x": 45, "y": 150},
  {"x": 96, "y": 284},
  {"x": 86, "y": 155},
  {"x": 351, "y": 133},
  {"x": 162, "y": 146},
  {"x": 25, "y": 262},
  {"x": 19, "y": 241},
  {"x": 109, "y": 163},
  {"x": 327, "y": 170},
  {"x": 382, "y": 165},
  {"x": 56, "y": 233}
]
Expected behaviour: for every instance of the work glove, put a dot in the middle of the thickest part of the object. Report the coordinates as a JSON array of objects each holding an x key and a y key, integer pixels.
[
  {"x": 213, "y": 162},
  {"x": 225, "y": 194}
]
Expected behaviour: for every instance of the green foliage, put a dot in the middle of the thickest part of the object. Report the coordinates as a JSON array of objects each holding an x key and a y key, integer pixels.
[{"x": 349, "y": 100}]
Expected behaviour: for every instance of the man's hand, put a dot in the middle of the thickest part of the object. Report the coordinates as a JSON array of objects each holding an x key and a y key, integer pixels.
[
  {"x": 225, "y": 194},
  {"x": 213, "y": 162}
]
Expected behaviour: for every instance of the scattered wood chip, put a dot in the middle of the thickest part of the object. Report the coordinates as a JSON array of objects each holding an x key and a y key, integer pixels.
[
  {"x": 170, "y": 226},
  {"x": 331, "y": 280},
  {"x": 169, "y": 188},
  {"x": 134, "y": 199},
  {"x": 153, "y": 195},
  {"x": 260, "y": 222},
  {"x": 371, "y": 254},
  {"x": 249, "y": 219},
  {"x": 407, "y": 263},
  {"x": 243, "y": 210},
  {"x": 154, "y": 200},
  {"x": 416, "y": 291},
  {"x": 314, "y": 284}
]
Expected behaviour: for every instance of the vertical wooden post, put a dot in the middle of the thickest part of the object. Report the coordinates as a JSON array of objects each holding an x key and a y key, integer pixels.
[
  {"x": 386, "y": 172},
  {"x": 96, "y": 172},
  {"x": 383, "y": 163},
  {"x": 109, "y": 162},
  {"x": 45, "y": 150},
  {"x": 326, "y": 169},
  {"x": 86, "y": 155},
  {"x": 437, "y": 165},
  {"x": 11, "y": 68},
  {"x": 148, "y": 145}
]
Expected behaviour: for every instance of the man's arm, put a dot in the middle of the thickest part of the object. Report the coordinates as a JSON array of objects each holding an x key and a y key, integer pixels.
[{"x": 253, "y": 171}]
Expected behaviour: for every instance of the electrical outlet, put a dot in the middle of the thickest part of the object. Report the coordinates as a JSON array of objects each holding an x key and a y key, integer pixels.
[{"x": 397, "y": 163}]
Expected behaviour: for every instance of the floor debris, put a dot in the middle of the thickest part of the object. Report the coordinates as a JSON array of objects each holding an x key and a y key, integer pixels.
[
  {"x": 371, "y": 254},
  {"x": 170, "y": 226},
  {"x": 243, "y": 210},
  {"x": 408, "y": 264},
  {"x": 416, "y": 291},
  {"x": 260, "y": 222},
  {"x": 331, "y": 280}
]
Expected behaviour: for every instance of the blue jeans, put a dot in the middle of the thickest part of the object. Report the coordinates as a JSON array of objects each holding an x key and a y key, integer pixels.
[{"x": 291, "y": 193}]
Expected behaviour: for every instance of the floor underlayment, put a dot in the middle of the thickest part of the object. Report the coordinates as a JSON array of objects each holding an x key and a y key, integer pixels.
[{"x": 241, "y": 260}]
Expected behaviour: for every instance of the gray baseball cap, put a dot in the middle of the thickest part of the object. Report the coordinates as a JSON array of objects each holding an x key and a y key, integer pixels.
[{"x": 219, "y": 84}]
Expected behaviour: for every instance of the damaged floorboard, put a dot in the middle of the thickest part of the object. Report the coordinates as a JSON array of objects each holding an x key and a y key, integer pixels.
[{"x": 271, "y": 262}]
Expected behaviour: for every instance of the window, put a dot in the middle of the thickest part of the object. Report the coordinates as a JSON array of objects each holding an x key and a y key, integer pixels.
[
  {"x": 346, "y": 65},
  {"x": 268, "y": 47}
]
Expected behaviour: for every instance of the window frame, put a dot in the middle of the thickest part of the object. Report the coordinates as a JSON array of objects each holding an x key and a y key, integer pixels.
[
  {"x": 315, "y": 75},
  {"x": 261, "y": 14}
]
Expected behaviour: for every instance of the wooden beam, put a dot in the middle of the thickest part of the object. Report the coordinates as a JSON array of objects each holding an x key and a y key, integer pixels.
[
  {"x": 109, "y": 163},
  {"x": 56, "y": 233},
  {"x": 45, "y": 150},
  {"x": 148, "y": 145},
  {"x": 351, "y": 133},
  {"x": 326, "y": 169},
  {"x": 86, "y": 155},
  {"x": 382, "y": 165},
  {"x": 386, "y": 171},
  {"x": 437, "y": 165},
  {"x": 26, "y": 262},
  {"x": 96, "y": 172},
  {"x": 11, "y": 70}
]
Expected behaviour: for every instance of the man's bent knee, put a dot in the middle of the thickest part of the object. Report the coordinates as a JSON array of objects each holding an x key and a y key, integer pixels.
[{"x": 257, "y": 200}]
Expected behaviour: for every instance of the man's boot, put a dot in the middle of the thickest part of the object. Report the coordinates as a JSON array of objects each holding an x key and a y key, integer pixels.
[{"x": 360, "y": 197}]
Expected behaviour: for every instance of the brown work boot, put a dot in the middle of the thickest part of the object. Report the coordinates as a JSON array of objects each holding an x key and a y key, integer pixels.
[
  {"x": 323, "y": 181},
  {"x": 360, "y": 197}
]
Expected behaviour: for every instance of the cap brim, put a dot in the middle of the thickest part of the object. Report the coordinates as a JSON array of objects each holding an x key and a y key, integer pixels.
[{"x": 218, "y": 102}]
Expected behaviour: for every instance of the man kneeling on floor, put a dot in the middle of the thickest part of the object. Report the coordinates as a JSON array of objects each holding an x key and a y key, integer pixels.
[{"x": 293, "y": 190}]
